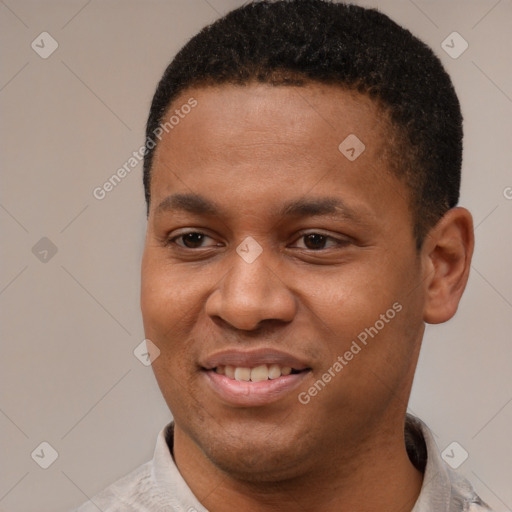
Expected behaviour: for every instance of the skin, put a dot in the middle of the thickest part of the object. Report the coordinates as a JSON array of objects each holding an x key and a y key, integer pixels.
[{"x": 250, "y": 151}]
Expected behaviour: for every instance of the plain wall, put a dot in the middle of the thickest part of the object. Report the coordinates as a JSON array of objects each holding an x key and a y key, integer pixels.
[{"x": 70, "y": 323}]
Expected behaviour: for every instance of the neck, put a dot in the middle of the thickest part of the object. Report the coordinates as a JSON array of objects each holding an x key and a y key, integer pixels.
[{"x": 377, "y": 476}]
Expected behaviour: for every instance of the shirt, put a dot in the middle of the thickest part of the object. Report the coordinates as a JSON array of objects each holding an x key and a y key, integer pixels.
[{"x": 158, "y": 486}]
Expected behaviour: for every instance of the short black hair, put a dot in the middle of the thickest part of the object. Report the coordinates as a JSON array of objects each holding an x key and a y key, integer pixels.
[{"x": 299, "y": 42}]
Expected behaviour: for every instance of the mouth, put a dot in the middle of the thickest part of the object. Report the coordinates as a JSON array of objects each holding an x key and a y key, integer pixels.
[
  {"x": 256, "y": 374},
  {"x": 257, "y": 378}
]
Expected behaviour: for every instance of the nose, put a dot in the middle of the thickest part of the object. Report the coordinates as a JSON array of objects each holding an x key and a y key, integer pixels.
[{"x": 250, "y": 294}]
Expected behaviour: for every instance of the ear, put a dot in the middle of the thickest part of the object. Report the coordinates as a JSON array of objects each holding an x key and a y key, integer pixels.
[{"x": 446, "y": 257}]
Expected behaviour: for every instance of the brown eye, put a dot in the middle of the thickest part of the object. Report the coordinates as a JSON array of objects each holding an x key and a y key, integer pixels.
[
  {"x": 194, "y": 240},
  {"x": 315, "y": 241},
  {"x": 319, "y": 241}
]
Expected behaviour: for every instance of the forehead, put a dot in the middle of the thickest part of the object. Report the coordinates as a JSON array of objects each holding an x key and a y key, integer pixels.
[
  {"x": 285, "y": 113},
  {"x": 241, "y": 140}
]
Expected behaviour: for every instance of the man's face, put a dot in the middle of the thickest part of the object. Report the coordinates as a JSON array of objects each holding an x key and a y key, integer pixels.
[{"x": 337, "y": 261}]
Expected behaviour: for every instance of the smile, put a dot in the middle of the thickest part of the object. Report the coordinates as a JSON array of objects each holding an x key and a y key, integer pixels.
[
  {"x": 255, "y": 377},
  {"x": 257, "y": 374}
]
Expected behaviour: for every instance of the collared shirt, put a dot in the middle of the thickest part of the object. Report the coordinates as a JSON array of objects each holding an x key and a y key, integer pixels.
[{"x": 158, "y": 486}]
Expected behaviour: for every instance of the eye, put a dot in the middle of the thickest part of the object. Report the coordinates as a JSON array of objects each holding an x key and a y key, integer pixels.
[
  {"x": 194, "y": 240},
  {"x": 318, "y": 241}
]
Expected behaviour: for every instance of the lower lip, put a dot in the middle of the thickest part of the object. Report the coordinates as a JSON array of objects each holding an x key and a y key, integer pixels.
[{"x": 253, "y": 394}]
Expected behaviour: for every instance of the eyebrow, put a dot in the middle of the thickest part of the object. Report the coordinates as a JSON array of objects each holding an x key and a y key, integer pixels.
[
  {"x": 192, "y": 203},
  {"x": 200, "y": 205},
  {"x": 318, "y": 206}
]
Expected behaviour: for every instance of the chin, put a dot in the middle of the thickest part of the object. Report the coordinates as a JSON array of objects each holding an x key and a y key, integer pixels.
[
  {"x": 253, "y": 464},
  {"x": 256, "y": 453}
]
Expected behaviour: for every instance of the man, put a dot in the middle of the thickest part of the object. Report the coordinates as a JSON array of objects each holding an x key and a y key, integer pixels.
[{"x": 302, "y": 174}]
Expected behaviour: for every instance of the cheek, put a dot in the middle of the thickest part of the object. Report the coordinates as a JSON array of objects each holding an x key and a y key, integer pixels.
[
  {"x": 172, "y": 303},
  {"x": 376, "y": 302},
  {"x": 168, "y": 301},
  {"x": 351, "y": 295},
  {"x": 384, "y": 326}
]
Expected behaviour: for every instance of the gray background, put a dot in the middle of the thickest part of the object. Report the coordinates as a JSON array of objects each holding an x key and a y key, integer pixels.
[{"x": 70, "y": 320}]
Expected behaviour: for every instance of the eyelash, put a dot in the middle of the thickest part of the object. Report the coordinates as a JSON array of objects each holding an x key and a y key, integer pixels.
[
  {"x": 338, "y": 242},
  {"x": 173, "y": 239}
]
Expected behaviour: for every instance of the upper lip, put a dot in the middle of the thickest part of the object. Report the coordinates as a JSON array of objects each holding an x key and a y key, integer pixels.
[{"x": 252, "y": 358}]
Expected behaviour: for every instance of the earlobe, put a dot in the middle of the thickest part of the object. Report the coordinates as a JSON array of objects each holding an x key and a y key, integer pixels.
[{"x": 447, "y": 254}]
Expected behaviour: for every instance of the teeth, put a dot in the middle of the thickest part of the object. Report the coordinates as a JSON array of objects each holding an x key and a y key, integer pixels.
[
  {"x": 243, "y": 374},
  {"x": 229, "y": 371},
  {"x": 256, "y": 374},
  {"x": 259, "y": 373},
  {"x": 274, "y": 371}
]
